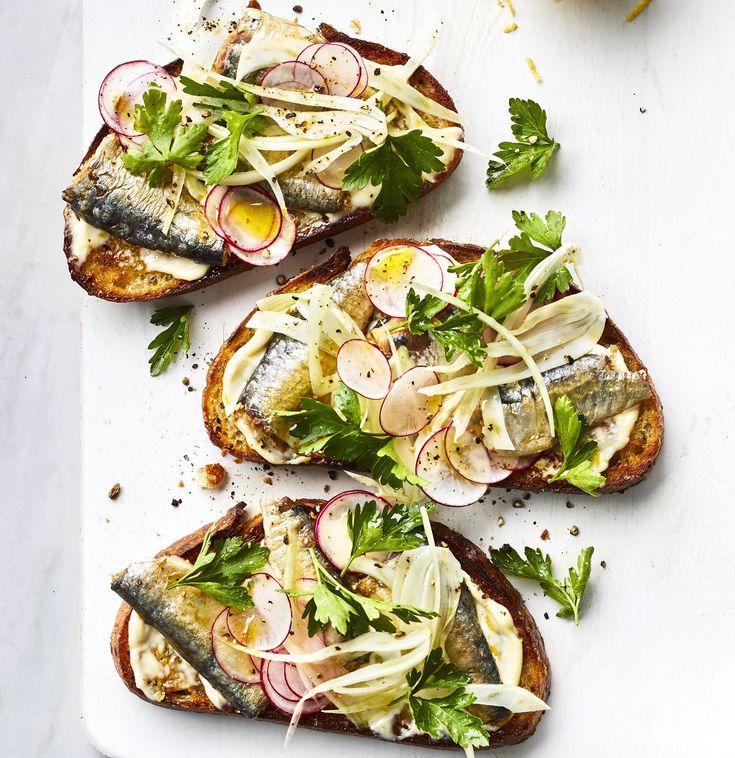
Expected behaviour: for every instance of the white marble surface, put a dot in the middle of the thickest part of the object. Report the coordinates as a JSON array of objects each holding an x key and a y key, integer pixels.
[{"x": 648, "y": 195}]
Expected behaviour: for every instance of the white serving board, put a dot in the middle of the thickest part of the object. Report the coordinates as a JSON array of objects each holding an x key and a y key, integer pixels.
[{"x": 646, "y": 673}]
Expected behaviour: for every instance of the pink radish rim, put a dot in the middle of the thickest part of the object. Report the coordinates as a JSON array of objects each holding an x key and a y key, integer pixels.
[
  {"x": 285, "y": 636},
  {"x": 372, "y": 262},
  {"x": 324, "y": 68},
  {"x": 278, "y": 249},
  {"x": 221, "y": 620},
  {"x": 440, "y": 446},
  {"x": 395, "y": 384},
  {"x": 212, "y": 205},
  {"x": 320, "y": 174},
  {"x": 228, "y": 237},
  {"x": 364, "y": 496},
  {"x": 493, "y": 464},
  {"x": 384, "y": 366}
]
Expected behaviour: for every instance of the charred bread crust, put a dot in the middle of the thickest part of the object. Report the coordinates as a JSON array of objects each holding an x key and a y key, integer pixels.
[
  {"x": 105, "y": 274},
  {"x": 628, "y": 467},
  {"x": 535, "y": 674}
]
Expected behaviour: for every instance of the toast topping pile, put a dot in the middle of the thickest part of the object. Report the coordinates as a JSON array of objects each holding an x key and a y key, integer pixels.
[
  {"x": 357, "y": 612},
  {"x": 440, "y": 377},
  {"x": 261, "y": 138}
]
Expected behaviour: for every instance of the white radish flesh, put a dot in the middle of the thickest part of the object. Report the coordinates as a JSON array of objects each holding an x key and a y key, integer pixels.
[
  {"x": 295, "y": 76},
  {"x": 249, "y": 218},
  {"x": 363, "y": 368},
  {"x": 236, "y": 664},
  {"x": 267, "y": 624},
  {"x": 470, "y": 459},
  {"x": 444, "y": 485},
  {"x": 211, "y": 207},
  {"x": 392, "y": 272},
  {"x": 405, "y": 410},
  {"x": 341, "y": 66},
  {"x": 123, "y": 88},
  {"x": 330, "y": 528},
  {"x": 334, "y": 174}
]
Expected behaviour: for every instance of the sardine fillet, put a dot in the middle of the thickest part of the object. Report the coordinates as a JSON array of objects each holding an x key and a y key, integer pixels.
[
  {"x": 595, "y": 390},
  {"x": 282, "y": 377},
  {"x": 184, "y": 615},
  {"x": 105, "y": 194}
]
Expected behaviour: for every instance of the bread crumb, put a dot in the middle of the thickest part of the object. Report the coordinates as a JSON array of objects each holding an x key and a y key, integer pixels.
[
  {"x": 510, "y": 27},
  {"x": 267, "y": 480},
  {"x": 501, "y": 521},
  {"x": 181, "y": 483},
  {"x": 518, "y": 504},
  {"x": 297, "y": 9},
  {"x": 532, "y": 68},
  {"x": 356, "y": 26},
  {"x": 185, "y": 381},
  {"x": 114, "y": 491},
  {"x": 211, "y": 476},
  {"x": 545, "y": 535},
  {"x": 574, "y": 530}
]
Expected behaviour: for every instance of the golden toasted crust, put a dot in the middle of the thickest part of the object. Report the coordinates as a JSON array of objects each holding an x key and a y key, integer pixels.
[
  {"x": 114, "y": 271},
  {"x": 535, "y": 673},
  {"x": 626, "y": 468}
]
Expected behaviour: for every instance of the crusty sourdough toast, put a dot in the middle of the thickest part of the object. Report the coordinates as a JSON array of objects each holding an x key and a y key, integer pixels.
[
  {"x": 114, "y": 270},
  {"x": 626, "y": 468},
  {"x": 535, "y": 674}
]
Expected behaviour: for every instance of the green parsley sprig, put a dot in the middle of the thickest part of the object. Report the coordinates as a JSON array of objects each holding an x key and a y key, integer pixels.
[
  {"x": 447, "y": 714},
  {"x": 321, "y": 429},
  {"x": 485, "y": 286},
  {"x": 221, "y": 570},
  {"x": 567, "y": 592},
  {"x": 577, "y": 447},
  {"x": 222, "y": 156},
  {"x": 348, "y": 613},
  {"x": 169, "y": 141},
  {"x": 397, "y": 166},
  {"x": 374, "y": 530},
  {"x": 538, "y": 239},
  {"x": 172, "y": 339},
  {"x": 223, "y": 90},
  {"x": 532, "y": 149}
]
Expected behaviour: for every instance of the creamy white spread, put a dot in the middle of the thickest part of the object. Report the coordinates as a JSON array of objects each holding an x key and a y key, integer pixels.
[
  {"x": 84, "y": 239},
  {"x": 157, "y": 667},
  {"x": 175, "y": 265},
  {"x": 501, "y": 634}
]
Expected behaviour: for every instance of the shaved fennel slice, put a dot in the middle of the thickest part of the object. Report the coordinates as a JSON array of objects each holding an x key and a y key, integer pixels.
[
  {"x": 466, "y": 410},
  {"x": 515, "y": 699},
  {"x": 405, "y": 496},
  {"x": 506, "y": 334},
  {"x": 244, "y": 178},
  {"x": 280, "y": 323},
  {"x": 321, "y": 298},
  {"x": 541, "y": 272},
  {"x": 326, "y": 160},
  {"x": 317, "y": 125},
  {"x": 494, "y": 430},
  {"x": 270, "y": 51}
]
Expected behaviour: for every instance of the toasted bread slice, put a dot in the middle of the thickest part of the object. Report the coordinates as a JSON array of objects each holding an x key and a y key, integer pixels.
[
  {"x": 535, "y": 674},
  {"x": 626, "y": 468},
  {"x": 113, "y": 270}
]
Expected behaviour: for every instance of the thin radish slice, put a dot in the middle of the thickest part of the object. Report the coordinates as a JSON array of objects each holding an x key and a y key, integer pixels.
[
  {"x": 515, "y": 462},
  {"x": 123, "y": 88},
  {"x": 236, "y": 664},
  {"x": 362, "y": 82},
  {"x": 330, "y": 527},
  {"x": 266, "y": 626},
  {"x": 469, "y": 458},
  {"x": 341, "y": 66},
  {"x": 292, "y": 75},
  {"x": 276, "y": 251},
  {"x": 392, "y": 272},
  {"x": 249, "y": 218},
  {"x": 405, "y": 410},
  {"x": 211, "y": 207},
  {"x": 277, "y": 690},
  {"x": 450, "y": 278},
  {"x": 363, "y": 368},
  {"x": 307, "y": 54},
  {"x": 334, "y": 174},
  {"x": 128, "y": 142},
  {"x": 444, "y": 486}
]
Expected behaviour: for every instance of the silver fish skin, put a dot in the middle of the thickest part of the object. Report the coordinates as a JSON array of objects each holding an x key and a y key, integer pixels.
[
  {"x": 281, "y": 379},
  {"x": 308, "y": 194},
  {"x": 105, "y": 194},
  {"x": 283, "y": 522},
  {"x": 423, "y": 349},
  {"x": 467, "y": 648},
  {"x": 184, "y": 615},
  {"x": 596, "y": 390}
]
